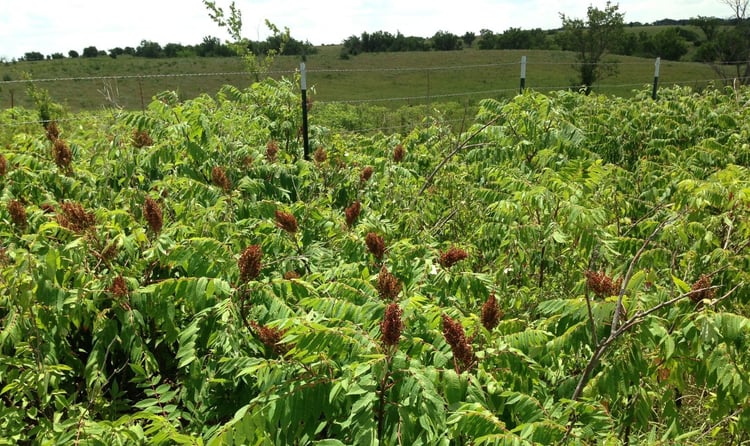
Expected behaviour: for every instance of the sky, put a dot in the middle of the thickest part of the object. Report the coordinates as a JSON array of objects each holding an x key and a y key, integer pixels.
[{"x": 57, "y": 26}]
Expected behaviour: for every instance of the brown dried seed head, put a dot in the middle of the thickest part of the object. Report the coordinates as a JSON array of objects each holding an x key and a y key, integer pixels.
[
  {"x": 320, "y": 155},
  {"x": 291, "y": 275},
  {"x": 153, "y": 215},
  {"x": 53, "y": 132},
  {"x": 250, "y": 263},
  {"x": 119, "y": 287},
  {"x": 3, "y": 165},
  {"x": 491, "y": 313},
  {"x": 17, "y": 213},
  {"x": 452, "y": 256},
  {"x": 141, "y": 138},
  {"x": 388, "y": 285},
  {"x": 62, "y": 154},
  {"x": 74, "y": 217},
  {"x": 391, "y": 326},
  {"x": 219, "y": 178},
  {"x": 271, "y": 337},
  {"x": 701, "y": 289},
  {"x": 601, "y": 284},
  {"x": 366, "y": 174},
  {"x": 352, "y": 213},
  {"x": 375, "y": 244},
  {"x": 286, "y": 221},
  {"x": 456, "y": 338},
  {"x": 398, "y": 153},
  {"x": 272, "y": 149}
]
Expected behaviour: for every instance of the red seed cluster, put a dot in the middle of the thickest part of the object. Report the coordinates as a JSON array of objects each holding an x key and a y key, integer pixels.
[
  {"x": 250, "y": 263},
  {"x": 286, "y": 221},
  {"x": 398, "y": 153},
  {"x": 153, "y": 215},
  {"x": 219, "y": 178},
  {"x": 601, "y": 284},
  {"x": 392, "y": 326},
  {"x": 491, "y": 313},
  {"x": 272, "y": 148},
  {"x": 352, "y": 213},
  {"x": 52, "y": 130},
  {"x": 271, "y": 337},
  {"x": 17, "y": 213},
  {"x": 388, "y": 285},
  {"x": 291, "y": 275},
  {"x": 141, "y": 138},
  {"x": 375, "y": 245},
  {"x": 704, "y": 285},
  {"x": 320, "y": 156},
  {"x": 62, "y": 154},
  {"x": 119, "y": 287},
  {"x": 452, "y": 256},
  {"x": 74, "y": 217},
  {"x": 365, "y": 175},
  {"x": 456, "y": 338}
]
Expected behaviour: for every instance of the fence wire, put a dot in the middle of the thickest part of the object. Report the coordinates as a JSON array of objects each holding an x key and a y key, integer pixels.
[{"x": 410, "y": 99}]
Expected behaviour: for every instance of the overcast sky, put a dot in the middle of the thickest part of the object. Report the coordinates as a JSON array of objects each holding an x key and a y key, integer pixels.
[{"x": 50, "y": 26}]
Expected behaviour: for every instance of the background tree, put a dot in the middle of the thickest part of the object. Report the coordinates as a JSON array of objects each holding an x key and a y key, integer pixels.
[
  {"x": 591, "y": 40},
  {"x": 469, "y": 38},
  {"x": 73, "y": 54},
  {"x": 90, "y": 51}
]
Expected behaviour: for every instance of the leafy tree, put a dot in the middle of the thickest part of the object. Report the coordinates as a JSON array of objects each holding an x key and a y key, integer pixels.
[
  {"x": 257, "y": 65},
  {"x": 591, "y": 39},
  {"x": 445, "y": 41},
  {"x": 57, "y": 56},
  {"x": 73, "y": 54},
  {"x": 487, "y": 39},
  {"x": 149, "y": 49},
  {"x": 90, "y": 51},
  {"x": 669, "y": 45},
  {"x": 33, "y": 56},
  {"x": 469, "y": 38},
  {"x": 730, "y": 47}
]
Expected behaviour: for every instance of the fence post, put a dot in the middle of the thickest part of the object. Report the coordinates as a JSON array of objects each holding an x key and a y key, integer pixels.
[
  {"x": 303, "y": 85},
  {"x": 656, "y": 77},
  {"x": 523, "y": 74}
]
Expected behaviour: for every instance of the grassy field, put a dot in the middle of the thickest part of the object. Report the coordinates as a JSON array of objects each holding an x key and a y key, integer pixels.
[{"x": 387, "y": 79}]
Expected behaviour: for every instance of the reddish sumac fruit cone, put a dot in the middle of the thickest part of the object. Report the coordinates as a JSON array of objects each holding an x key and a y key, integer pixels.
[
  {"x": 491, "y": 313},
  {"x": 141, "y": 138},
  {"x": 272, "y": 148},
  {"x": 153, "y": 215},
  {"x": 320, "y": 156},
  {"x": 454, "y": 334},
  {"x": 219, "y": 178},
  {"x": 17, "y": 213},
  {"x": 365, "y": 175},
  {"x": 601, "y": 284},
  {"x": 53, "y": 132},
  {"x": 375, "y": 244},
  {"x": 3, "y": 165},
  {"x": 74, "y": 217},
  {"x": 388, "y": 284},
  {"x": 271, "y": 337},
  {"x": 62, "y": 154},
  {"x": 119, "y": 287},
  {"x": 286, "y": 221},
  {"x": 250, "y": 263},
  {"x": 392, "y": 326},
  {"x": 704, "y": 285},
  {"x": 398, "y": 153},
  {"x": 352, "y": 213},
  {"x": 452, "y": 256}
]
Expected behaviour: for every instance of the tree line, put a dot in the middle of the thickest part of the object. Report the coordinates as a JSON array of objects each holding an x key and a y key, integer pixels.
[{"x": 209, "y": 47}]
